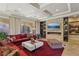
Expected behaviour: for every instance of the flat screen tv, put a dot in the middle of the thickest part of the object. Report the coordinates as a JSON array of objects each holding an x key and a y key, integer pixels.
[{"x": 54, "y": 25}]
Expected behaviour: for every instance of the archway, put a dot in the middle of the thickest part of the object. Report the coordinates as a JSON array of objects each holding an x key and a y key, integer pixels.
[{"x": 25, "y": 29}]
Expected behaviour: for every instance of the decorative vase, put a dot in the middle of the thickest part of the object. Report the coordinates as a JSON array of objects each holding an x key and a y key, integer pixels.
[{"x": 32, "y": 41}]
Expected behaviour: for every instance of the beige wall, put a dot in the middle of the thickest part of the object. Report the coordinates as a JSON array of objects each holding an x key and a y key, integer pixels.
[
  {"x": 37, "y": 27},
  {"x": 55, "y": 36},
  {"x": 60, "y": 37},
  {"x": 29, "y": 23},
  {"x": 17, "y": 25},
  {"x": 4, "y": 20},
  {"x": 71, "y": 19}
]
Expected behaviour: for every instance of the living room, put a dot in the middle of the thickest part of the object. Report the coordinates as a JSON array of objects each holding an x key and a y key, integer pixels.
[{"x": 32, "y": 29}]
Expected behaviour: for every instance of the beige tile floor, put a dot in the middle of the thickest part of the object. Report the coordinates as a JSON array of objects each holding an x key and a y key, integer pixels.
[{"x": 71, "y": 48}]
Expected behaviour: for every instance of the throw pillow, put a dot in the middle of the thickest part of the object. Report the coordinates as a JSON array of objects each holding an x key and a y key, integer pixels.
[
  {"x": 6, "y": 40},
  {"x": 11, "y": 38}
]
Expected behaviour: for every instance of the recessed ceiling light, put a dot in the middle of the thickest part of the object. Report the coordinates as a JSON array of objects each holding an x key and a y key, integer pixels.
[{"x": 57, "y": 10}]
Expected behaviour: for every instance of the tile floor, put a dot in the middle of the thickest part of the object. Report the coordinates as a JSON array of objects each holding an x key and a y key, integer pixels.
[{"x": 71, "y": 48}]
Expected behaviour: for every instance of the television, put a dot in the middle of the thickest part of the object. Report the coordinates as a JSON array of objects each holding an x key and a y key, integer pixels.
[{"x": 54, "y": 25}]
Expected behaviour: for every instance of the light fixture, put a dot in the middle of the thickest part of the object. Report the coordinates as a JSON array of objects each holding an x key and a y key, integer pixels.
[
  {"x": 40, "y": 18},
  {"x": 57, "y": 10}
]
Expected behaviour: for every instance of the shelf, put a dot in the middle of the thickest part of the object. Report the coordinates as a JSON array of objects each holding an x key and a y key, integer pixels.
[
  {"x": 65, "y": 29},
  {"x": 43, "y": 28},
  {"x": 53, "y": 32},
  {"x": 74, "y": 34}
]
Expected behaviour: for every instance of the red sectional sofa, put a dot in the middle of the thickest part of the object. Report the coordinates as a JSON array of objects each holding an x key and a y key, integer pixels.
[{"x": 21, "y": 37}]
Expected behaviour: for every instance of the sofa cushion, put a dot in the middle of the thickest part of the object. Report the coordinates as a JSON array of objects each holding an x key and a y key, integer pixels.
[
  {"x": 11, "y": 35},
  {"x": 23, "y": 39},
  {"x": 23, "y": 35},
  {"x": 30, "y": 36},
  {"x": 3, "y": 42},
  {"x": 18, "y": 36},
  {"x": 11, "y": 38}
]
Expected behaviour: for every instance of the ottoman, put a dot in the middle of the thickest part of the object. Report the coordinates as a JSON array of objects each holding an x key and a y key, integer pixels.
[
  {"x": 28, "y": 45},
  {"x": 55, "y": 44}
]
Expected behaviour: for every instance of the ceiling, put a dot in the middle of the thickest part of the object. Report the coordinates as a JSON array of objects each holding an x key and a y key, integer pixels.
[{"x": 38, "y": 11}]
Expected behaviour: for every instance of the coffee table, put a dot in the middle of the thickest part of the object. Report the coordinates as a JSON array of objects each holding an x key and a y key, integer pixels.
[{"x": 28, "y": 45}]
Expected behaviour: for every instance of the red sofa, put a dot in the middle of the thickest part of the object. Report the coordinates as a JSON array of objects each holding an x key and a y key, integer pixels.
[
  {"x": 19, "y": 38},
  {"x": 22, "y": 37},
  {"x": 20, "y": 51}
]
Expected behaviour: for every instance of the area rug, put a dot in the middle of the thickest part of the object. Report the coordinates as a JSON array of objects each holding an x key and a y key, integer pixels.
[{"x": 45, "y": 50}]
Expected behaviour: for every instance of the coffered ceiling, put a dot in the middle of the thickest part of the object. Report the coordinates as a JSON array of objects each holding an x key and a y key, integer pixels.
[{"x": 38, "y": 11}]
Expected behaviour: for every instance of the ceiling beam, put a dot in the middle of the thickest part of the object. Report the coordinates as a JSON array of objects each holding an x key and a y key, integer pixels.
[
  {"x": 45, "y": 5},
  {"x": 61, "y": 16},
  {"x": 47, "y": 12},
  {"x": 69, "y": 10},
  {"x": 36, "y": 5}
]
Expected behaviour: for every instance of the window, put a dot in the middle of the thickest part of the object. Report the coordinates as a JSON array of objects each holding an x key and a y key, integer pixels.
[
  {"x": 4, "y": 28},
  {"x": 25, "y": 29}
]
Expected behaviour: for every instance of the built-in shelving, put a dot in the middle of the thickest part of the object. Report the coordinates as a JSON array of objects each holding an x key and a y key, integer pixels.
[
  {"x": 65, "y": 29},
  {"x": 43, "y": 29},
  {"x": 53, "y": 32}
]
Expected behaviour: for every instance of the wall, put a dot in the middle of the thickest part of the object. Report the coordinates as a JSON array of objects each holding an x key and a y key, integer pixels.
[
  {"x": 55, "y": 36},
  {"x": 15, "y": 24},
  {"x": 71, "y": 19},
  {"x": 29, "y": 23},
  {"x": 37, "y": 27},
  {"x": 5, "y": 21},
  {"x": 18, "y": 22}
]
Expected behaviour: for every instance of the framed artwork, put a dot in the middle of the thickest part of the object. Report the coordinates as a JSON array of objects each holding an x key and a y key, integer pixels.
[{"x": 74, "y": 28}]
